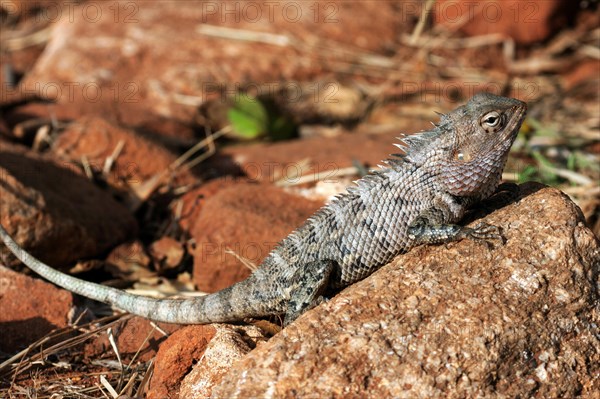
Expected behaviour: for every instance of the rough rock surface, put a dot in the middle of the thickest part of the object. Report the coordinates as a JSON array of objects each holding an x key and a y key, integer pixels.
[
  {"x": 462, "y": 320},
  {"x": 175, "y": 358},
  {"x": 192, "y": 202},
  {"x": 30, "y": 309},
  {"x": 248, "y": 219},
  {"x": 55, "y": 213},
  {"x": 229, "y": 344}
]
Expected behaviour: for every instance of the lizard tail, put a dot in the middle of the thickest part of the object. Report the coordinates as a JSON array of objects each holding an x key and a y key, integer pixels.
[{"x": 230, "y": 304}]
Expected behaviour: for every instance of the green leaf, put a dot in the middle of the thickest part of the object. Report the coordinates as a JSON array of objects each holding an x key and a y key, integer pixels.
[{"x": 248, "y": 117}]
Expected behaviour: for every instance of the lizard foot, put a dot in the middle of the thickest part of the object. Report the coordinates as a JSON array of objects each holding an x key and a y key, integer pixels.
[{"x": 484, "y": 232}]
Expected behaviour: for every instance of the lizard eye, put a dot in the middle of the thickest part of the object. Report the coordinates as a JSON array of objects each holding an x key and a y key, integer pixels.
[{"x": 491, "y": 122}]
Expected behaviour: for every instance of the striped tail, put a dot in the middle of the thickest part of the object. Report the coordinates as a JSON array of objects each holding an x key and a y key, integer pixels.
[{"x": 230, "y": 304}]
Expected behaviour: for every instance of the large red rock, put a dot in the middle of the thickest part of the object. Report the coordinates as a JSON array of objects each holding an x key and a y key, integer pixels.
[
  {"x": 30, "y": 309},
  {"x": 193, "y": 201},
  {"x": 518, "y": 319},
  {"x": 247, "y": 219},
  {"x": 56, "y": 213}
]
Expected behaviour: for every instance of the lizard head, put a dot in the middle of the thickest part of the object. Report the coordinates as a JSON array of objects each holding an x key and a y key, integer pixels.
[{"x": 479, "y": 134}]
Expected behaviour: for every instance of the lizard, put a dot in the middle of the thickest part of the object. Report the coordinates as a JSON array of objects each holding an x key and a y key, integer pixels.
[{"x": 417, "y": 197}]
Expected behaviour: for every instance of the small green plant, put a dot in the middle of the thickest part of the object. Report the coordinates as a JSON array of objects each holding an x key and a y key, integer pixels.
[
  {"x": 528, "y": 173},
  {"x": 248, "y": 117},
  {"x": 555, "y": 159},
  {"x": 251, "y": 119}
]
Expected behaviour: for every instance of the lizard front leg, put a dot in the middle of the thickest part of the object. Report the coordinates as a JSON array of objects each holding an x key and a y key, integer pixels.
[{"x": 428, "y": 228}]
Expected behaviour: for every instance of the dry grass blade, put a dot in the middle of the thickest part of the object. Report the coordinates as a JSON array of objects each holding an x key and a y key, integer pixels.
[
  {"x": 320, "y": 48},
  {"x": 115, "y": 348},
  {"x": 36, "y": 352},
  {"x": 41, "y": 136},
  {"x": 246, "y": 262},
  {"x": 110, "y": 160},
  {"x": 208, "y": 142},
  {"x": 144, "y": 190},
  {"x": 113, "y": 345},
  {"x": 145, "y": 380},
  {"x": 425, "y": 12},
  {"x": 591, "y": 191},
  {"x": 17, "y": 43},
  {"x": 126, "y": 391},
  {"x": 315, "y": 177},
  {"x": 28, "y": 128},
  {"x": 46, "y": 385},
  {"x": 590, "y": 51},
  {"x": 108, "y": 387},
  {"x": 572, "y": 176},
  {"x": 86, "y": 167},
  {"x": 245, "y": 35},
  {"x": 535, "y": 65},
  {"x": 430, "y": 42},
  {"x": 148, "y": 336}
]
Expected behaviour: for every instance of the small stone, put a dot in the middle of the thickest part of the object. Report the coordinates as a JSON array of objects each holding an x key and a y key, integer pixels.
[
  {"x": 167, "y": 253},
  {"x": 176, "y": 357},
  {"x": 230, "y": 344}
]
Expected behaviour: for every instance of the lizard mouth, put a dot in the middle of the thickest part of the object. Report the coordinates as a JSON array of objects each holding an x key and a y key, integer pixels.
[{"x": 518, "y": 113}]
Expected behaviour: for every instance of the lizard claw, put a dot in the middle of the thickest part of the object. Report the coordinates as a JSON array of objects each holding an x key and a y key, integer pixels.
[{"x": 484, "y": 232}]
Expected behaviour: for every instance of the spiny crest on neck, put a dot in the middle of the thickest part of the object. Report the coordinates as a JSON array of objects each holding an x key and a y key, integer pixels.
[{"x": 415, "y": 147}]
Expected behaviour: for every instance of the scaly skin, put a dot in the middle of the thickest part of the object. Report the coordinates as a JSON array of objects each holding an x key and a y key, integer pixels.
[{"x": 416, "y": 199}]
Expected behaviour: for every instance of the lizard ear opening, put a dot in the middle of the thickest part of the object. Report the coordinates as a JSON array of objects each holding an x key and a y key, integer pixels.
[{"x": 462, "y": 156}]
